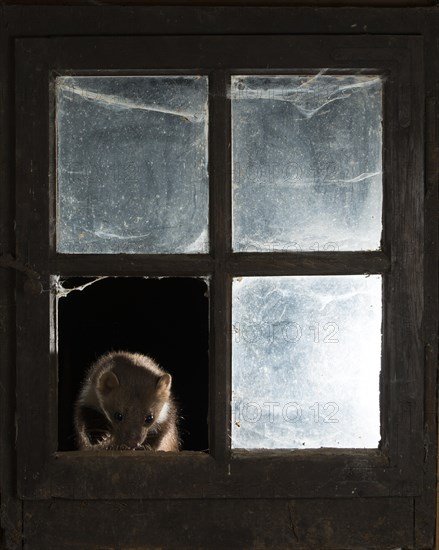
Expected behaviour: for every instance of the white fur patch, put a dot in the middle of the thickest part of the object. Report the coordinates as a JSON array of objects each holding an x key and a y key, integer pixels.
[{"x": 163, "y": 413}]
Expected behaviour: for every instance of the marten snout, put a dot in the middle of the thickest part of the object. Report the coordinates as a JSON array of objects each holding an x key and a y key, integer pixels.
[
  {"x": 129, "y": 432},
  {"x": 132, "y": 442}
]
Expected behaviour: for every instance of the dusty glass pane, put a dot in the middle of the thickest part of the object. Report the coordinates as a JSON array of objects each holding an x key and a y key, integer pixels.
[
  {"x": 132, "y": 164},
  {"x": 307, "y": 162},
  {"x": 306, "y": 362}
]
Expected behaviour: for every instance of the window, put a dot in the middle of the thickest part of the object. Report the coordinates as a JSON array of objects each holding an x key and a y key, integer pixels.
[
  {"x": 274, "y": 180},
  {"x": 102, "y": 140}
]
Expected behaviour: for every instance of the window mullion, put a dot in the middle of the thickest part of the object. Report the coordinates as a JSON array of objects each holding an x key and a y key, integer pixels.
[
  {"x": 220, "y": 238},
  {"x": 309, "y": 263}
]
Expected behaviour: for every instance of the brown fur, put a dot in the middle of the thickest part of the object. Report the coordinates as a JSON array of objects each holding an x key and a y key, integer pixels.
[{"x": 120, "y": 392}]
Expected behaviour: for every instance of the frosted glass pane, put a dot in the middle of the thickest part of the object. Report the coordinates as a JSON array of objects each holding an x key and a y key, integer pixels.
[
  {"x": 132, "y": 164},
  {"x": 307, "y": 162},
  {"x": 306, "y": 362}
]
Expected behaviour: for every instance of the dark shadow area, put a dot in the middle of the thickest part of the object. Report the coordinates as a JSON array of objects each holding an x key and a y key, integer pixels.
[{"x": 166, "y": 319}]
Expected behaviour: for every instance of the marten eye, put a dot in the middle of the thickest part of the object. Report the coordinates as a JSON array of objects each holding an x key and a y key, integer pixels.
[
  {"x": 149, "y": 418},
  {"x": 118, "y": 416}
]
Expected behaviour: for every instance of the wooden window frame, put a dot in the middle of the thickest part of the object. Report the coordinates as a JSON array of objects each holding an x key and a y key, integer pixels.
[
  {"x": 403, "y": 515},
  {"x": 394, "y": 469}
]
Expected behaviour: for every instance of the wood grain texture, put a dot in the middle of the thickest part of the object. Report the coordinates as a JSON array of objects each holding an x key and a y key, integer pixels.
[
  {"x": 10, "y": 505},
  {"x": 256, "y": 474},
  {"x": 219, "y": 525}
]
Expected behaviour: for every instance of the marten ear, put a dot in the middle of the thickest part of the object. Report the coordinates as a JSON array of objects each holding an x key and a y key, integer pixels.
[
  {"x": 107, "y": 382},
  {"x": 164, "y": 383}
]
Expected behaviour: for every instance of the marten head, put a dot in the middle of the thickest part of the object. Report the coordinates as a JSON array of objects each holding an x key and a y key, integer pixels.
[{"x": 134, "y": 394}]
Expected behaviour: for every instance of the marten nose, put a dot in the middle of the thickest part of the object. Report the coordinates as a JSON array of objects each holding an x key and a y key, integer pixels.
[{"x": 133, "y": 440}]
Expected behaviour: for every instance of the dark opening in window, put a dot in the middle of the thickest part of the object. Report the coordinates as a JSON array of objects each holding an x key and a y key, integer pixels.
[{"x": 166, "y": 319}]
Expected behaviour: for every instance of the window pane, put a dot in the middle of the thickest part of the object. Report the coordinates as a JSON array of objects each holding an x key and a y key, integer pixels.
[
  {"x": 306, "y": 362},
  {"x": 307, "y": 162},
  {"x": 132, "y": 164}
]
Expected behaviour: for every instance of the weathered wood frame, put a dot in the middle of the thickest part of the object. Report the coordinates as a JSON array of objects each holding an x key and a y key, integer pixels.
[
  {"x": 395, "y": 468},
  {"x": 297, "y": 487}
]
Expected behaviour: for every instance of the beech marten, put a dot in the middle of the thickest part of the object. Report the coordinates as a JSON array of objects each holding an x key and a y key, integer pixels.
[{"x": 126, "y": 403}]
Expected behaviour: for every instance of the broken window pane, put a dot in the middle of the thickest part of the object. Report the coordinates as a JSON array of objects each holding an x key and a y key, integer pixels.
[
  {"x": 306, "y": 362},
  {"x": 307, "y": 162},
  {"x": 132, "y": 164}
]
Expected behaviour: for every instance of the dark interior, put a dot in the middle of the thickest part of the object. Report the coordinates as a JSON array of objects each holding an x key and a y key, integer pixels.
[{"x": 166, "y": 319}]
